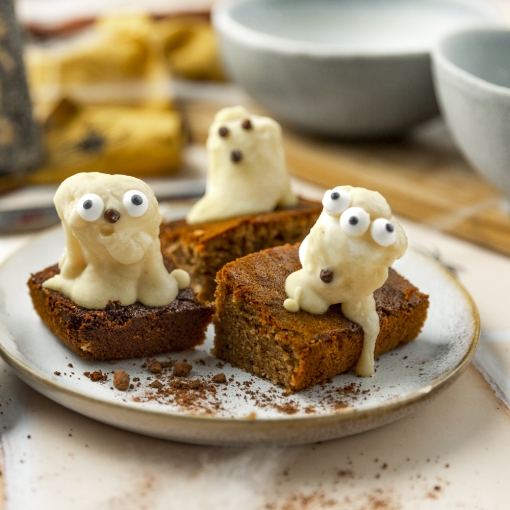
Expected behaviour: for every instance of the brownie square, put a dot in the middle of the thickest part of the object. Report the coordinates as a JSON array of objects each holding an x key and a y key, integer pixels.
[
  {"x": 120, "y": 332},
  {"x": 204, "y": 249},
  {"x": 299, "y": 350}
]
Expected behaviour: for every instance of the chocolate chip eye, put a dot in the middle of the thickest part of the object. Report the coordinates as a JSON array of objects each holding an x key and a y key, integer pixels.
[
  {"x": 90, "y": 207},
  {"x": 383, "y": 232},
  {"x": 246, "y": 124},
  {"x": 236, "y": 156},
  {"x": 223, "y": 131},
  {"x": 355, "y": 221},
  {"x": 336, "y": 200},
  {"x": 326, "y": 275},
  {"x": 135, "y": 203}
]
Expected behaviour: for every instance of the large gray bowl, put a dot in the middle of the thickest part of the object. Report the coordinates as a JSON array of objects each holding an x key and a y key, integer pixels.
[
  {"x": 348, "y": 68},
  {"x": 472, "y": 78}
]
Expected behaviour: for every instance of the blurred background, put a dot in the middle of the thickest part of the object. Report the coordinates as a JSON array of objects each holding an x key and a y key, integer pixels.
[{"x": 131, "y": 87}]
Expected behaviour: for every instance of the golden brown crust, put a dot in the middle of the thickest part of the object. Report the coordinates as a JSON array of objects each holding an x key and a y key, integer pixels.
[
  {"x": 204, "y": 249},
  {"x": 255, "y": 332},
  {"x": 120, "y": 332}
]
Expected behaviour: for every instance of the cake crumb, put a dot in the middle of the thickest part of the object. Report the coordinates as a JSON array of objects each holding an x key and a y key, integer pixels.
[
  {"x": 156, "y": 384},
  {"x": 155, "y": 368},
  {"x": 182, "y": 369},
  {"x": 121, "y": 380},
  {"x": 96, "y": 376},
  {"x": 219, "y": 379}
]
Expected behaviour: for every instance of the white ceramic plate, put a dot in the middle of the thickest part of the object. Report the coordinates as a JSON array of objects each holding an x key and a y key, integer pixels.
[{"x": 405, "y": 379}]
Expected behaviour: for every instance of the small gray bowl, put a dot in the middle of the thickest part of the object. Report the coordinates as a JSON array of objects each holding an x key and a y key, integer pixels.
[
  {"x": 347, "y": 68},
  {"x": 472, "y": 78}
]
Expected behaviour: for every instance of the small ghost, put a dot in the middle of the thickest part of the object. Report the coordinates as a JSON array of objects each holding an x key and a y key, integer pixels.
[
  {"x": 247, "y": 172},
  {"x": 111, "y": 227},
  {"x": 345, "y": 258}
]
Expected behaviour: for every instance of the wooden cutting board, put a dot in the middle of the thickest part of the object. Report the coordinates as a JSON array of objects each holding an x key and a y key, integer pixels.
[{"x": 423, "y": 177}]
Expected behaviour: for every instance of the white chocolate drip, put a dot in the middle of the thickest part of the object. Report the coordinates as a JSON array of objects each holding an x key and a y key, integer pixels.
[
  {"x": 115, "y": 260},
  {"x": 342, "y": 265},
  {"x": 247, "y": 173}
]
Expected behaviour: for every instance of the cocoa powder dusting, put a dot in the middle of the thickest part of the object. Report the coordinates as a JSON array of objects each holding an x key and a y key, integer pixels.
[
  {"x": 192, "y": 395},
  {"x": 168, "y": 383}
]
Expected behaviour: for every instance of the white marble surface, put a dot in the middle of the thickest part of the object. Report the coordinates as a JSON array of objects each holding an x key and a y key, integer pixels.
[{"x": 451, "y": 454}]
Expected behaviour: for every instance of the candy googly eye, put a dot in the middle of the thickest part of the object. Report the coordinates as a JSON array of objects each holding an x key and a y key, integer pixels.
[
  {"x": 383, "y": 232},
  {"x": 355, "y": 221},
  {"x": 90, "y": 207},
  {"x": 336, "y": 200},
  {"x": 135, "y": 203}
]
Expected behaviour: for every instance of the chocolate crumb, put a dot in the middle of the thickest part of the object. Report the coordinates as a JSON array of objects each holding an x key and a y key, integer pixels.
[
  {"x": 155, "y": 368},
  {"x": 57, "y": 373},
  {"x": 121, "y": 380},
  {"x": 219, "y": 379},
  {"x": 182, "y": 369},
  {"x": 156, "y": 384},
  {"x": 437, "y": 488},
  {"x": 70, "y": 365},
  {"x": 96, "y": 376}
]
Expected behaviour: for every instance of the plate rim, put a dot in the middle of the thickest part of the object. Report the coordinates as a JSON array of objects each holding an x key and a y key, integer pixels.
[{"x": 348, "y": 414}]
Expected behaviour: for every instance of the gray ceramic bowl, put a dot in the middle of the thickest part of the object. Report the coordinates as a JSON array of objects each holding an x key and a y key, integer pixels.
[
  {"x": 348, "y": 68},
  {"x": 472, "y": 78}
]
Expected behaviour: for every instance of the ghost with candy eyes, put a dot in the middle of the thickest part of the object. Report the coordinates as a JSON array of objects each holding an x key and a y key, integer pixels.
[
  {"x": 111, "y": 227},
  {"x": 345, "y": 258},
  {"x": 247, "y": 173}
]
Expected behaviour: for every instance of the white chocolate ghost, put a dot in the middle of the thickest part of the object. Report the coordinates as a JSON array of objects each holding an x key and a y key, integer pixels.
[
  {"x": 111, "y": 226},
  {"x": 345, "y": 258},
  {"x": 247, "y": 173}
]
